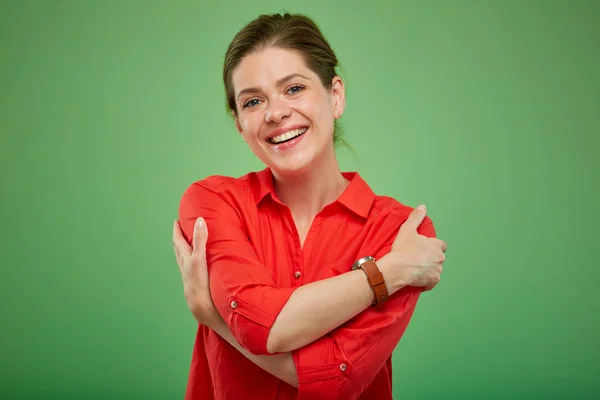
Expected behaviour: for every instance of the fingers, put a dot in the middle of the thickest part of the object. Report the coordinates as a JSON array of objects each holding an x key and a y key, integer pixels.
[
  {"x": 178, "y": 238},
  {"x": 200, "y": 237},
  {"x": 442, "y": 245},
  {"x": 415, "y": 219},
  {"x": 180, "y": 245},
  {"x": 177, "y": 257}
]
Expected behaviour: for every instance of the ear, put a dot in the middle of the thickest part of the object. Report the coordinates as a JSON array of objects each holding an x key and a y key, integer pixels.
[{"x": 339, "y": 96}]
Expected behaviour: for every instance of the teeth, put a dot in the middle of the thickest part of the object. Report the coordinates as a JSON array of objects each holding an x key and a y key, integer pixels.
[{"x": 288, "y": 135}]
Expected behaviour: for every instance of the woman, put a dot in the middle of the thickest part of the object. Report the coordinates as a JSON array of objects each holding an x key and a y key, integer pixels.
[{"x": 301, "y": 278}]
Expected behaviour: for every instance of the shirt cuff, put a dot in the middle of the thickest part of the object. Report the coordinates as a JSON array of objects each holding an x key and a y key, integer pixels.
[
  {"x": 250, "y": 312},
  {"x": 322, "y": 370}
]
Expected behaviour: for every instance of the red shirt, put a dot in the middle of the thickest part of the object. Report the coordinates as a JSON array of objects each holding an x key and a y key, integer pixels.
[{"x": 255, "y": 263}]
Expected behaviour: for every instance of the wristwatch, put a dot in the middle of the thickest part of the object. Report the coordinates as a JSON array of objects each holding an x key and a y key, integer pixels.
[{"x": 375, "y": 278}]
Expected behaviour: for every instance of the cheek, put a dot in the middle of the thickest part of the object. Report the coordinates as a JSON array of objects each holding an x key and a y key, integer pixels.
[
  {"x": 321, "y": 116},
  {"x": 250, "y": 124},
  {"x": 319, "y": 110}
]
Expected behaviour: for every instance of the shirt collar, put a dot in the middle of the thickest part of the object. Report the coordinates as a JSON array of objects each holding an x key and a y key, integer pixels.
[
  {"x": 358, "y": 196},
  {"x": 264, "y": 185}
]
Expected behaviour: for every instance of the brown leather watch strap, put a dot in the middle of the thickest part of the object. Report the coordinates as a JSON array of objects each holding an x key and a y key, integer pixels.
[{"x": 376, "y": 281}]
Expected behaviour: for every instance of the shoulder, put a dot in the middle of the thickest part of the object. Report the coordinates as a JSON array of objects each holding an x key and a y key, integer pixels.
[
  {"x": 219, "y": 191},
  {"x": 391, "y": 206},
  {"x": 393, "y": 212},
  {"x": 219, "y": 199},
  {"x": 225, "y": 185}
]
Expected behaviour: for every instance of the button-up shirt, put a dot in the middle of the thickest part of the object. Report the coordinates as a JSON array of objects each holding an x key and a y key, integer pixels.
[{"x": 255, "y": 262}]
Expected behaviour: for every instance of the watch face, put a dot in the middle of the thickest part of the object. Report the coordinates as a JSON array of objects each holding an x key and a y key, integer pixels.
[{"x": 360, "y": 262}]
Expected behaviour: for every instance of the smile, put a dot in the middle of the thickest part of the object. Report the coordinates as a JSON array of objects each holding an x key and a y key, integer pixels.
[{"x": 287, "y": 136}]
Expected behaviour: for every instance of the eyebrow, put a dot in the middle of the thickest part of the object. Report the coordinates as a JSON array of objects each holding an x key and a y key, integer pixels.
[{"x": 280, "y": 82}]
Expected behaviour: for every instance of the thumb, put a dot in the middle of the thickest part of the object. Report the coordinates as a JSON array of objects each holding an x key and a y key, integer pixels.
[
  {"x": 415, "y": 219},
  {"x": 200, "y": 237}
]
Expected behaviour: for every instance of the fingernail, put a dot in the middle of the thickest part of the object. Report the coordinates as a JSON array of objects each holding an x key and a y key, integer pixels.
[
  {"x": 421, "y": 207},
  {"x": 200, "y": 222}
]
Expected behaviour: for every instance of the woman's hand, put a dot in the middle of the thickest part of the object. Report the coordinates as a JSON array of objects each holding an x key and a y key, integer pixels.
[
  {"x": 194, "y": 272},
  {"x": 414, "y": 260}
]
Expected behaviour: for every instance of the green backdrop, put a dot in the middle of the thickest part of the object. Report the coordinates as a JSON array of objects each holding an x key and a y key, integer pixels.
[{"x": 488, "y": 112}]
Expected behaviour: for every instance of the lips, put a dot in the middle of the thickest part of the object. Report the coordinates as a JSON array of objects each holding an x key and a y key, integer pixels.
[{"x": 287, "y": 136}]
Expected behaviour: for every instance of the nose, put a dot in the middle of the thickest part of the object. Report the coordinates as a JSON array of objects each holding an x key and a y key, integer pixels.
[{"x": 276, "y": 111}]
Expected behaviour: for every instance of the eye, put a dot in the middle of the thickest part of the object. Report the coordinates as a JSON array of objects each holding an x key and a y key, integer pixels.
[
  {"x": 295, "y": 89},
  {"x": 251, "y": 103}
]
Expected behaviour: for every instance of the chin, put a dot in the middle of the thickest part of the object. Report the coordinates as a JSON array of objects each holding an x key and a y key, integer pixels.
[{"x": 292, "y": 166}]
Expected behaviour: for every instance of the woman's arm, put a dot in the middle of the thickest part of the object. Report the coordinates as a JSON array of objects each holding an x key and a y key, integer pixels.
[
  {"x": 314, "y": 359},
  {"x": 317, "y": 308},
  {"x": 279, "y": 365},
  {"x": 347, "y": 360},
  {"x": 263, "y": 317},
  {"x": 194, "y": 274}
]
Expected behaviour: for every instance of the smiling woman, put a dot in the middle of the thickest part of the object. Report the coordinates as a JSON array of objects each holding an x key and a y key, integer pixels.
[
  {"x": 302, "y": 279},
  {"x": 288, "y": 122}
]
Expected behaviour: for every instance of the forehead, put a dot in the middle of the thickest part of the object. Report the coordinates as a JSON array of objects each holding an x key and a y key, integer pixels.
[{"x": 263, "y": 68}]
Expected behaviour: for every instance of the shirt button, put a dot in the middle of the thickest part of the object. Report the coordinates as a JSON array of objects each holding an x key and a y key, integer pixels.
[
  {"x": 343, "y": 367},
  {"x": 297, "y": 274},
  {"x": 234, "y": 304}
]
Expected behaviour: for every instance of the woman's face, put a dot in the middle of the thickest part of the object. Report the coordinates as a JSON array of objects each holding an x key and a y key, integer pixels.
[{"x": 284, "y": 112}]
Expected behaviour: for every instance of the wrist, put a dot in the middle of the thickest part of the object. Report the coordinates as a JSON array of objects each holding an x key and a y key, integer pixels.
[
  {"x": 201, "y": 307},
  {"x": 392, "y": 273},
  {"x": 207, "y": 316},
  {"x": 375, "y": 278},
  {"x": 217, "y": 324}
]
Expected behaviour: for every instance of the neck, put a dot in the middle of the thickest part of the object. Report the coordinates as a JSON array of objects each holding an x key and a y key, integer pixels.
[{"x": 308, "y": 192}]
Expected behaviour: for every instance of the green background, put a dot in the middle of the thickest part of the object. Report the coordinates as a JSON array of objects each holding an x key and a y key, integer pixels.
[{"x": 488, "y": 112}]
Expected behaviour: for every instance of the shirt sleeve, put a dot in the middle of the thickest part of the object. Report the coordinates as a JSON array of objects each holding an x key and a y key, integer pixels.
[
  {"x": 342, "y": 364},
  {"x": 243, "y": 290}
]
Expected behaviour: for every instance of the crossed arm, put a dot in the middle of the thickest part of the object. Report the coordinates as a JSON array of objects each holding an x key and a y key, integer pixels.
[
  {"x": 281, "y": 365},
  {"x": 326, "y": 305}
]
